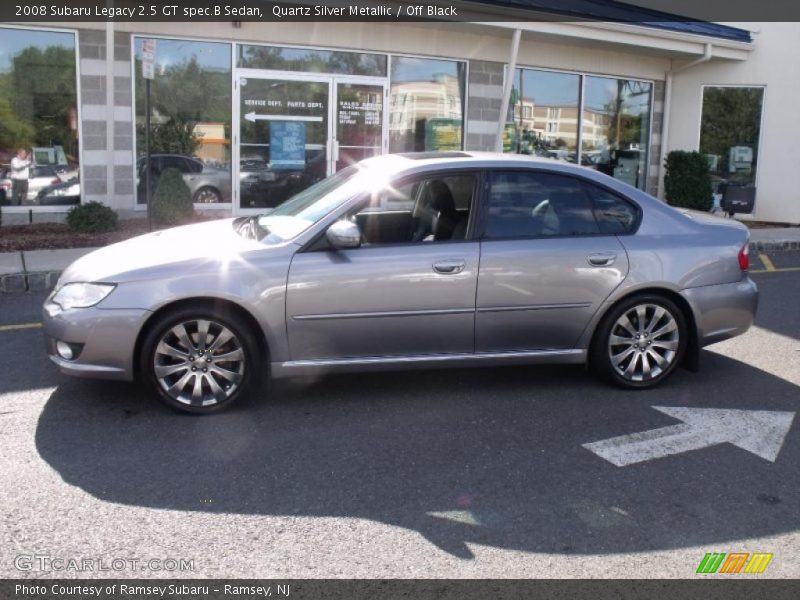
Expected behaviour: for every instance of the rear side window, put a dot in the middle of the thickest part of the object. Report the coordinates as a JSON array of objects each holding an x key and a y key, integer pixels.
[
  {"x": 613, "y": 214},
  {"x": 536, "y": 204}
]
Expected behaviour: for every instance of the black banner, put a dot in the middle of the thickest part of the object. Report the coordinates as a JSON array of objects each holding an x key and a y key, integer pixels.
[
  {"x": 642, "y": 11},
  {"x": 735, "y": 588}
]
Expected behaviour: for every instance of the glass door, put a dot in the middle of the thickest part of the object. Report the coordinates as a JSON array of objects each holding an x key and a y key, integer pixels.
[
  {"x": 294, "y": 129},
  {"x": 283, "y": 141},
  {"x": 359, "y": 121}
]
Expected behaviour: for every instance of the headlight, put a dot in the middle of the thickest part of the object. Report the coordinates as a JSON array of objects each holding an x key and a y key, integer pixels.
[{"x": 82, "y": 295}]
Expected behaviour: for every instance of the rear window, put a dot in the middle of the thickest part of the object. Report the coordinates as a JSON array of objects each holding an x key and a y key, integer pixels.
[
  {"x": 536, "y": 204},
  {"x": 613, "y": 214}
]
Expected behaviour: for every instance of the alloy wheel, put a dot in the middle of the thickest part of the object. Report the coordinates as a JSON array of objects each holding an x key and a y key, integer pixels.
[
  {"x": 199, "y": 362},
  {"x": 644, "y": 342}
]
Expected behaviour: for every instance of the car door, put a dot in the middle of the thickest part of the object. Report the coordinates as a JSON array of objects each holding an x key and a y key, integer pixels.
[
  {"x": 405, "y": 292},
  {"x": 546, "y": 263}
]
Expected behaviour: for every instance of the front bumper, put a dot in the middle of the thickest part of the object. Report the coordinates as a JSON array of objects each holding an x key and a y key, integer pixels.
[
  {"x": 107, "y": 338},
  {"x": 723, "y": 311}
]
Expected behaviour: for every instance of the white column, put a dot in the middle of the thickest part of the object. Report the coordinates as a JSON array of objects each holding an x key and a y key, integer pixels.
[
  {"x": 509, "y": 83},
  {"x": 110, "y": 107}
]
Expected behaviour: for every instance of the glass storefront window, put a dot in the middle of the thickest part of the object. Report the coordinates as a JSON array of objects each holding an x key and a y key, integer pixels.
[
  {"x": 311, "y": 60},
  {"x": 543, "y": 114},
  {"x": 191, "y": 117},
  {"x": 38, "y": 118},
  {"x": 729, "y": 133},
  {"x": 426, "y": 106},
  {"x": 616, "y": 128}
]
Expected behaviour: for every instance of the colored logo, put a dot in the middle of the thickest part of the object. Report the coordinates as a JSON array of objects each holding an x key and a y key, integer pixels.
[{"x": 734, "y": 562}]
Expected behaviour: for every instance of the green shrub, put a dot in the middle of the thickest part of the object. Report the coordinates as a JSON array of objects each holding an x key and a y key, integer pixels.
[
  {"x": 92, "y": 217},
  {"x": 687, "y": 180},
  {"x": 172, "y": 202}
]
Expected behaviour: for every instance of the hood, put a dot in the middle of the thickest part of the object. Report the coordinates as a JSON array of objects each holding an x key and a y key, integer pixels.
[{"x": 198, "y": 245}]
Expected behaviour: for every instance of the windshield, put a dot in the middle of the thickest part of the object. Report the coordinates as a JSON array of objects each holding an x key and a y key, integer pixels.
[{"x": 301, "y": 211}]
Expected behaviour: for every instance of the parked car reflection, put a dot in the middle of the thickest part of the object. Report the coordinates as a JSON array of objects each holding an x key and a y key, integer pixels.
[
  {"x": 65, "y": 193},
  {"x": 208, "y": 184}
]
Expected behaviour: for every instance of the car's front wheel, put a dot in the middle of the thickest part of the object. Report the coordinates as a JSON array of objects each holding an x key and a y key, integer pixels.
[
  {"x": 200, "y": 361},
  {"x": 640, "y": 342},
  {"x": 207, "y": 195}
]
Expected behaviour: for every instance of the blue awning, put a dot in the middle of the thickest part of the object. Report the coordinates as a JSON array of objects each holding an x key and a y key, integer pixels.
[{"x": 619, "y": 12}]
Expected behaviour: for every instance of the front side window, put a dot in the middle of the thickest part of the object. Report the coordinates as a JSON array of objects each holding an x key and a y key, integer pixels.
[
  {"x": 426, "y": 104},
  {"x": 38, "y": 115},
  {"x": 191, "y": 114},
  {"x": 537, "y": 204},
  {"x": 434, "y": 208}
]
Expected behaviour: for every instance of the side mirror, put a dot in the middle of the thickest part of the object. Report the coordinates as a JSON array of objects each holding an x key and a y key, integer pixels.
[{"x": 344, "y": 234}]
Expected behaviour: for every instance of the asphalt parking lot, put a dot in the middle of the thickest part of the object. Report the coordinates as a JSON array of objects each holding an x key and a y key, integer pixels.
[{"x": 461, "y": 473}]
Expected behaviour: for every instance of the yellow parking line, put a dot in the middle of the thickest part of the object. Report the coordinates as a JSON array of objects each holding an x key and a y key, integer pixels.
[
  {"x": 766, "y": 262},
  {"x": 20, "y": 326},
  {"x": 776, "y": 270}
]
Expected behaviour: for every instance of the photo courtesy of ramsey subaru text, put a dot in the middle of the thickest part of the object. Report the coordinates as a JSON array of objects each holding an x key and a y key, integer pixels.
[{"x": 409, "y": 261}]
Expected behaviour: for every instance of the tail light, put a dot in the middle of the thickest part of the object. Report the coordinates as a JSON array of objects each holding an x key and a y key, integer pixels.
[
  {"x": 744, "y": 256},
  {"x": 55, "y": 181}
]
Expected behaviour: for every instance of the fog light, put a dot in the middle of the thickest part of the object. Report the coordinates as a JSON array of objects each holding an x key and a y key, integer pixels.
[{"x": 64, "y": 350}]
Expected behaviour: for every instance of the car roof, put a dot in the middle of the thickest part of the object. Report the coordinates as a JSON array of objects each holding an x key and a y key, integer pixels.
[
  {"x": 455, "y": 157},
  {"x": 396, "y": 163}
]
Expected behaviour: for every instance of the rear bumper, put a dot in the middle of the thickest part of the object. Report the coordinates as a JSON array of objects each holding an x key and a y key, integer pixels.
[
  {"x": 106, "y": 339},
  {"x": 723, "y": 311}
]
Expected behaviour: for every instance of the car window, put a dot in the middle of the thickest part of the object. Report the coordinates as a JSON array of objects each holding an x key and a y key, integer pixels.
[
  {"x": 193, "y": 165},
  {"x": 536, "y": 204},
  {"x": 43, "y": 171},
  {"x": 613, "y": 214},
  {"x": 175, "y": 162},
  {"x": 434, "y": 208}
]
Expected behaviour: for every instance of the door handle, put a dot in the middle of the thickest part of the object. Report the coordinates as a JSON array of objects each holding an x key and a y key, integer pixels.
[
  {"x": 602, "y": 259},
  {"x": 449, "y": 267}
]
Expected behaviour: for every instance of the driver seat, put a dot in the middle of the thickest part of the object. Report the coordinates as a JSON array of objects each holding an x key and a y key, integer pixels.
[{"x": 435, "y": 213}]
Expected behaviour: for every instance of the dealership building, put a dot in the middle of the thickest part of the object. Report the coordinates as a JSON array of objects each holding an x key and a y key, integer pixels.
[{"x": 251, "y": 112}]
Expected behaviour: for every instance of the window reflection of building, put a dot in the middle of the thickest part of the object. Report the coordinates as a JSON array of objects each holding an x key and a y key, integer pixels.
[{"x": 422, "y": 91}]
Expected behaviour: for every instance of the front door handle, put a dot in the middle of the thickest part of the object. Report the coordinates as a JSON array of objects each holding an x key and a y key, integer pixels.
[
  {"x": 449, "y": 267},
  {"x": 602, "y": 259}
]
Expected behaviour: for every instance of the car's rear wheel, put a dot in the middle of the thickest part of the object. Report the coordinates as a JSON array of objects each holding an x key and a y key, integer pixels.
[
  {"x": 640, "y": 342},
  {"x": 207, "y": 195},
  {"x": 200, "y": 361}
]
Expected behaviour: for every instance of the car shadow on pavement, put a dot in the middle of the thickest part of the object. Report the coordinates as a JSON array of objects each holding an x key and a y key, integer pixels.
[{"x": 479, "y": 456}]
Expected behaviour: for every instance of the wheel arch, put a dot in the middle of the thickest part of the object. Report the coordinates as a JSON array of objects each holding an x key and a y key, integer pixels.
[
  {"x": 692, "y": 354},
  {"x": 200, "y": 302}
]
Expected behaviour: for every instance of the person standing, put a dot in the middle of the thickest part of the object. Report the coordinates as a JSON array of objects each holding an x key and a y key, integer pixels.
[{"x": 20, "y": 173}]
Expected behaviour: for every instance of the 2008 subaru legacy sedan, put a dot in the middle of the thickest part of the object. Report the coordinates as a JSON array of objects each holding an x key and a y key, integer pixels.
[{"x": 409, "y": 261}]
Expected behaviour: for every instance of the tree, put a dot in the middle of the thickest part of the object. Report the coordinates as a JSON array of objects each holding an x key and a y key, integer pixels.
[
  {"x": 731, "y": 117},
  {"x": 41, "y": 94},
  {"x": 171, "y": 137}
]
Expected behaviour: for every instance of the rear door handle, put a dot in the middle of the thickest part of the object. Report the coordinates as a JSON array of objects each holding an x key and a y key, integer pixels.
[
  {"x": 449, "y": 266},
  {"x": 602, "y": 259}
]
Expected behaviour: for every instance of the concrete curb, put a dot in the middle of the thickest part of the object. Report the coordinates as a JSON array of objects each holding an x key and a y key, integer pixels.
[
  {"x": 774, "y": 246},
  {"x": 28, "y": 282}
]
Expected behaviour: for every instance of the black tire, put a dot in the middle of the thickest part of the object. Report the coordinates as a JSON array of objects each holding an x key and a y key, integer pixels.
[
  {"x": 204, "y": 364},
  {"x": 604, "y": 355},
  {"x": 207, "y": 195}
]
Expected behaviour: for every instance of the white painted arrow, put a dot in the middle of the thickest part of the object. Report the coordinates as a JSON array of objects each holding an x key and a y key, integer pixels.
[
  {"x": 252, "y": 116},
  {"x": 761, "y": 432}
]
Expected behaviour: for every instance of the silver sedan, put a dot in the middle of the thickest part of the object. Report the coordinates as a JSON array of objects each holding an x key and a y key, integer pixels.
[{"x": 406, "y": 262}]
